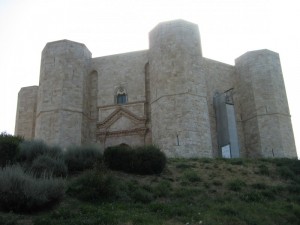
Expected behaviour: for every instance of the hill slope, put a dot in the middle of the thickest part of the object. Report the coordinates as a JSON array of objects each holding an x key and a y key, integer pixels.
[{"x": 197, "y": 191}]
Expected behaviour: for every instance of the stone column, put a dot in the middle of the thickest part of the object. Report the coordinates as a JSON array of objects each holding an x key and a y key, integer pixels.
[
  {"x": 265, "y": 112},
  {"x": 178, "y": 99},
  {"x": 61, "y": 97}
]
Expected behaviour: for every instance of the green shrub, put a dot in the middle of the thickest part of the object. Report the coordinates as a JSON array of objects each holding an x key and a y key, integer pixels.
[
  {"x": 22, "y": 192},
  {"x": 44, "y": 165},
  {"x": 55, "y": 152},
  {"x": 140, "y": 160},
  {"x": 9, "y": 148},
  {"x": 93, "y": 186},
  {"x": 82, "y": 158},
  {"x": 30, "y": 150},
  {"x": 118, "y": 157},
  {"x": 148, "y": 160}
]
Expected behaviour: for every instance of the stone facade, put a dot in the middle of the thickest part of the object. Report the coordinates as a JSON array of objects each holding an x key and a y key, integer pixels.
[{"x": 169, "y": 95}]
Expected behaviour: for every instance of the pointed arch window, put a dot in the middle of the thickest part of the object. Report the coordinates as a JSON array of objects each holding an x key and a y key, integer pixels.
[{"x": 121, "y": 96}]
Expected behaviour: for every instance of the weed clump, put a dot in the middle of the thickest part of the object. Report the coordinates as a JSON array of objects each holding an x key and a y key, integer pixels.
[
  {"x": 236, "y": 185},
  {"x": 263, "y": 170},
  {"x": 191, "y": 176}
]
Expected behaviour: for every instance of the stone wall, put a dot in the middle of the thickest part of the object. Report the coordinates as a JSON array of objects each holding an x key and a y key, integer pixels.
[
  {"x": 219, "y": 78},
  {"x": 126, "y": 71}
]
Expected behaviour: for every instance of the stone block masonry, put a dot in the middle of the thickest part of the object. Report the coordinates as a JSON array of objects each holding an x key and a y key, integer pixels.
[{"x": 162, "y": 96}]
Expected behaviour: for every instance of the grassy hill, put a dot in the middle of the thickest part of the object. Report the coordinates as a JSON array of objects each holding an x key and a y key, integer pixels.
[{"x": 195, "y": 191}]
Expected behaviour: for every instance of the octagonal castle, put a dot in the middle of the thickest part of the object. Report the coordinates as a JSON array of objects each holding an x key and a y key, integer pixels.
[{"x": 169, "y": 95}]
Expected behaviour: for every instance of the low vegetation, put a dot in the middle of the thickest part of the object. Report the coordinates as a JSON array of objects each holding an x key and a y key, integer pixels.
[
  {"x": 9, "y": 148},
  {"x": 138, "y": 160},
  {"x": 23, "y": 192},
  {"x": 194, "y": 191},
  {"x": 80, "y": 158}
]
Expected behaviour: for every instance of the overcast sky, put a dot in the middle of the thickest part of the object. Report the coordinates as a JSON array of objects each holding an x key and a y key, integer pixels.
[{"x": 228, "y": 29}]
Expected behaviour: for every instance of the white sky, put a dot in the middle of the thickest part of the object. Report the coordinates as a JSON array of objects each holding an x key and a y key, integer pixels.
[{"x": 228, "y": 29}]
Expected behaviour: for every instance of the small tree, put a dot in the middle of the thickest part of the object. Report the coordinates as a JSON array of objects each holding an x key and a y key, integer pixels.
[{"x": 9, "y": 148}]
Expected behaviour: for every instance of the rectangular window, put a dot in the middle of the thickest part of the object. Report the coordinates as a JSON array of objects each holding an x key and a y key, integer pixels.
[{"x": 121, "y": 99}]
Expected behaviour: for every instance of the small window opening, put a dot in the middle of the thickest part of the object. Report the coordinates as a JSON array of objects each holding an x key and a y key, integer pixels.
[{"x": 121, "y": 98}]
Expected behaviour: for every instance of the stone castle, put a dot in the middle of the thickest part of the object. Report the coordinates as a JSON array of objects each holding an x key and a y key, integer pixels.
[{"x": 168, "y": 95}]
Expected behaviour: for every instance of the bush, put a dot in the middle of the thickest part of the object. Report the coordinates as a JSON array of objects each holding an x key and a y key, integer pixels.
[
  {"x": 117, "y": 157},
  {"x": 148, "y": 160},
  {"x": 9, "y": 148},
  {"x": 82, "y": 158},
  {"x": 30, "y": 150},
  {"x": 93, "y": 186},
  {"x": 21, "y": 192},
  {"x": 44, "y": 165},
  {"x": 139, "y": 160}
]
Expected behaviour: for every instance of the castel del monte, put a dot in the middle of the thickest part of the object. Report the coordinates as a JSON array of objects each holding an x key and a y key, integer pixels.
[{"x": 169, "y": 95}]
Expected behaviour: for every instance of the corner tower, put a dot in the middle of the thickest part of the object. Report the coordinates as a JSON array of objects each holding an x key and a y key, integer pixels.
[
  {"x": 178, "y": 99},
  {"x": 264, "y": 108},
  {"x": 60, "y": 108},
  {"x": 26, "y": 112}
]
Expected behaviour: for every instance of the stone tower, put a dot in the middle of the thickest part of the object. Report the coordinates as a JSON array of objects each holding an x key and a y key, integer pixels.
[
  {"x": 26, "y": 113},
  {"x": 61, "y": 112},
  {"x": 264, "y": 108},
  {"x": 179, "y": 111}
]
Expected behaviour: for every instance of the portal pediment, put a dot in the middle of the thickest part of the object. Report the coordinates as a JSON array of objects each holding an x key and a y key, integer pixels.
[{"x": 121, "y": 122}]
